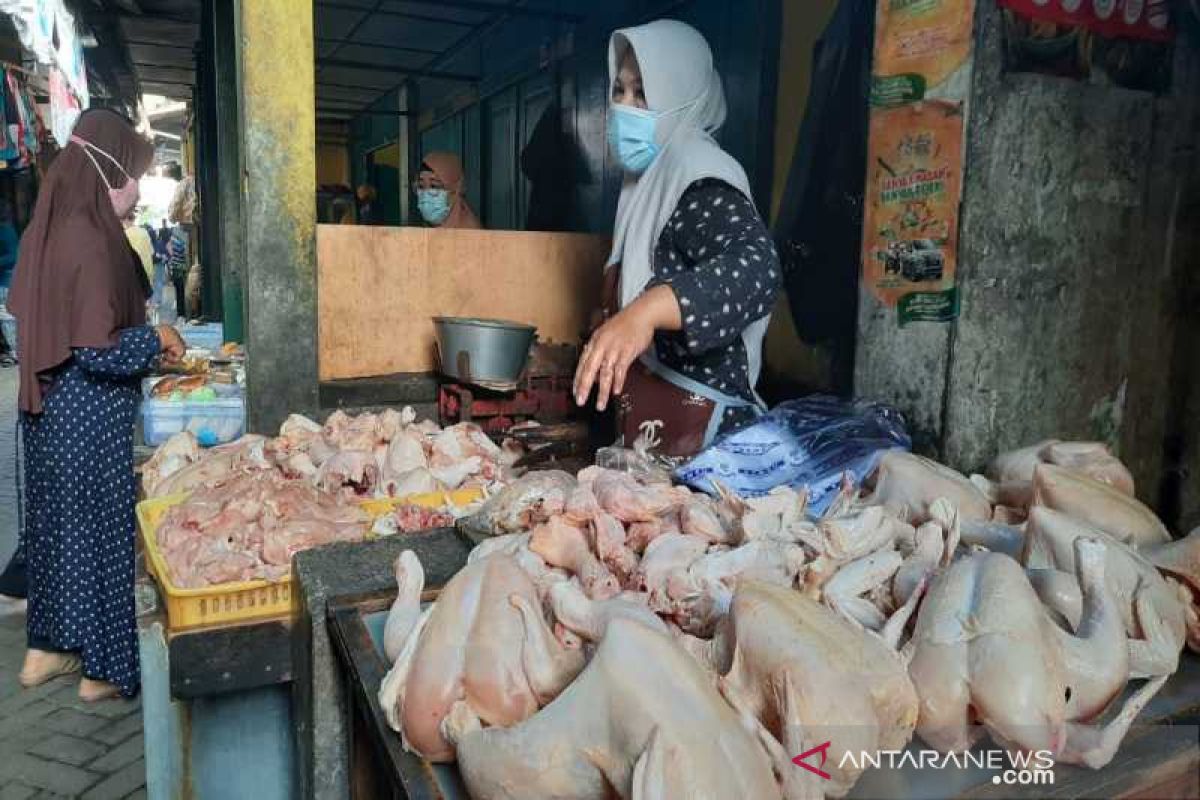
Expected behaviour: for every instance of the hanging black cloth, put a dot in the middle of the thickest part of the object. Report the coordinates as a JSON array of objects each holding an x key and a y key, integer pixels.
[{"x": 819, "y": 229}]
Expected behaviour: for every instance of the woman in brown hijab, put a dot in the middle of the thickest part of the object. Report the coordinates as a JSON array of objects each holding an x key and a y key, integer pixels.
[
  {"x": 442, "y": 192},
  {"x": 79, "y": 296}
]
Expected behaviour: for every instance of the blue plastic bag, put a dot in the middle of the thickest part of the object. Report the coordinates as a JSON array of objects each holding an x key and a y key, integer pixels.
[{"x": 811, "y": 442}]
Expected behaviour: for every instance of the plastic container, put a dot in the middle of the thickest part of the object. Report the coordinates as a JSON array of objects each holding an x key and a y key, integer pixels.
[
  {"x": 213, "y": 422},
  {"x": 224, "y": 390},
  {"x": 231, "y": 603},
  {"x": 207, "y": 336},
  {"x": 212, "y": 605}
]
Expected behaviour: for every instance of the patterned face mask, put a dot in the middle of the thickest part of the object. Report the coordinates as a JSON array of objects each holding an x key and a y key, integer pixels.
[
  {"x": 434, "y": 205},
  {"x": 124, "y": 198}
]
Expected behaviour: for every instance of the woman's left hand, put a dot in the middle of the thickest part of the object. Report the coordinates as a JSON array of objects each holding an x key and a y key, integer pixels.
[{"x": 620, "y": 340}]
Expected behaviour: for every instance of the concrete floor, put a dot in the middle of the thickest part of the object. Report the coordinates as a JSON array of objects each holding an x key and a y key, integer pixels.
[{"x": 51, "y": 744}]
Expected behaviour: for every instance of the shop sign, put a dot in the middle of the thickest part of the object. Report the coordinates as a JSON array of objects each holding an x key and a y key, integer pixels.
[{"x": 1127, "y": 19}]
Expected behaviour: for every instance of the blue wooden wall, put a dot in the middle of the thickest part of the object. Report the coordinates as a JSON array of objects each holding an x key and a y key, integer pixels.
[{"x": 521, "y": 76}]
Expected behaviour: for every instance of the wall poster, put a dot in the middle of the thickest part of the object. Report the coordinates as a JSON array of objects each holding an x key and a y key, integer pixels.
[{"x": 920, "y": 81}]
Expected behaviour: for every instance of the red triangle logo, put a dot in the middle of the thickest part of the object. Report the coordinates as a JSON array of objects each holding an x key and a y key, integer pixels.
[{"x": 823, "y": 749}]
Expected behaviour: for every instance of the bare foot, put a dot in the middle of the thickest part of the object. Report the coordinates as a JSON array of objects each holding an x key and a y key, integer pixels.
[
  {"x": 41, "y": 666},
  {"x": 91, "y": 691}
]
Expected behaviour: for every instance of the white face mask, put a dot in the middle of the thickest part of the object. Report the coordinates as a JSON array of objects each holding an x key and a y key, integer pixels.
[{"x": 124, "y": 199}]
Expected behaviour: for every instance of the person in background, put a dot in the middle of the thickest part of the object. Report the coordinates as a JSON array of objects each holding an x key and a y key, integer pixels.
[
  {"x": 177, "y": 266},
  {"x": 79, "y": 295},
  {"x": 693, "y": 269},
  {"x": 341, "y": 210},
  {"x": 9, "y": 246},
  {"x": 141, "y": 243},
  {"x": 368, "y": 212},
  {"x": 441, "y": 192}
]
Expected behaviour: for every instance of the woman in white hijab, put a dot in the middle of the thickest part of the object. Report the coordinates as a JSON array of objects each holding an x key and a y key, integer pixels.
[{"x": 692, "y": 266}]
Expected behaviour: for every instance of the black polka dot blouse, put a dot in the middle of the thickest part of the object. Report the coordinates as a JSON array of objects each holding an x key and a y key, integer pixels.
[{"x": 717, "y": 256}]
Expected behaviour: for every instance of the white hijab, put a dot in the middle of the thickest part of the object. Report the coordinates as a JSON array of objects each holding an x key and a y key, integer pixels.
[{"x": 681, "y": 84}]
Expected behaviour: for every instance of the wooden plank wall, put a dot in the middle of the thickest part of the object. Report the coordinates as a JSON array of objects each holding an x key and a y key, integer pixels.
[{"x": 378, "y": 288}]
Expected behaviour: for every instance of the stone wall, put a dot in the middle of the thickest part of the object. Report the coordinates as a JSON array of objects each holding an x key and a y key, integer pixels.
[{"x": 1067, "y": 270}]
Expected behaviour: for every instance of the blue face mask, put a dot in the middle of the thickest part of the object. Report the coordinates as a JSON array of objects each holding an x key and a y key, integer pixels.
[
  {"x": 434, "y": 205},
  {"x": 631, "y": 136}
]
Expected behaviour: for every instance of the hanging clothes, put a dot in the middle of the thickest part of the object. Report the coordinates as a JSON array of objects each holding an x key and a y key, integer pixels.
[{"x": 819, "y": 228}]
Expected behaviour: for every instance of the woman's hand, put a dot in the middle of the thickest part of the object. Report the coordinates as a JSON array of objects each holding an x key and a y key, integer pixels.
[
  {"x": 619, "y": 341},
  {"x": 171, "y": 344}
]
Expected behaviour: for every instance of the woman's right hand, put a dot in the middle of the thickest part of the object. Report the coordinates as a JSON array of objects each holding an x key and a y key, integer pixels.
[{"x": 171, "y": 344}]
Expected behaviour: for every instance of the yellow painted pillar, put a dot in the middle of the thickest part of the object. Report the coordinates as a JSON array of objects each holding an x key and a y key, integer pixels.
[{"x": 278, "y": 127}]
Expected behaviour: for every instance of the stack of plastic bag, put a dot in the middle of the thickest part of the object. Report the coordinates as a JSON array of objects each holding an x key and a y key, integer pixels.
[{"x": 809, "y": 443}]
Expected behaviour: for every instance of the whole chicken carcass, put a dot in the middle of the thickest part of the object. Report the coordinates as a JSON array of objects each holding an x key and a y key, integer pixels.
[
  {"x": 480, "y": 645},
  {"x": 1181, "y": 560},
  {"x": 657, "y": 731},
  {"x": 1092, "y": 459},
  {"x": 807, "y": 676},
  {"x": 620, "y": 494},
  {"x": 1098, "y": 504},
  {"x": 985, "y": 648},
  {"x": 1152, "y": 611},
  {"x": 908, "y": 484},
  {"x": 528, "y": 501}
]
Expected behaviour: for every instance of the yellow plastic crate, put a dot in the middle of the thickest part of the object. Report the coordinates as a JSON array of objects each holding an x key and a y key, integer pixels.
[{"x": 230, "y": 603}]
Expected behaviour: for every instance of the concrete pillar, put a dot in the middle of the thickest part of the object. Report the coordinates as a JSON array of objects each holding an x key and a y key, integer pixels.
[
  {"x": 278, "y": 136},
  {"x": 223, "y": 17}
]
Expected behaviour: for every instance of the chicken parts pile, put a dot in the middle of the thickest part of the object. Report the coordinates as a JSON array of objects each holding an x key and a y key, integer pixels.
[
  {"x": 371, "y": 455},
  {"x": 255, "y": 502},
  {"x": 640, "y": 638}
]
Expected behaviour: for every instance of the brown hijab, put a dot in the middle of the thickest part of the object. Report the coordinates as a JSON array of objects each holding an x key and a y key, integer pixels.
[
  {"x": 449, "y": 170},
  {"x": 78, "y": 282}
]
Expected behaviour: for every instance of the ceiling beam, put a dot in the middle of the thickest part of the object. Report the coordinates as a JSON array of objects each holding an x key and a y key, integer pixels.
[
  {"x": 493, "y": 8},
  {"x": 403, "y": 14},
  {"x": 347, "y": 41},
  {"x": 418, "y": 72}
]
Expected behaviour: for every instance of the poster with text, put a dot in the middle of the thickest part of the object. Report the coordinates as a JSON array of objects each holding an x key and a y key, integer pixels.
[
  {"x": 919, "y": 45},
  {"x": 913, "y": 194}
]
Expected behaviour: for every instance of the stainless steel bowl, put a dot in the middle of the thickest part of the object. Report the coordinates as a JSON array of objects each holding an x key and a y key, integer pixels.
[{"x": 489, "y": 351}]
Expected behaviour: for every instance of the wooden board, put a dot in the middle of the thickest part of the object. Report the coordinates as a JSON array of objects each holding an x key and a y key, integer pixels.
[{"x": 378, "y": 288}]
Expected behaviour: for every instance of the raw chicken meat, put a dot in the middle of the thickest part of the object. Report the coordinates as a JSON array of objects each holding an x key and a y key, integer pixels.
[
  {"x": 565, "y": 546},
  {"x": 621, "y": 495},
  {"x": 1097, "y": 504},
  {"x": 174, "y": 454},
  {"x": 1152, "y": 612},
  {"x": 410, "y": 581},
  {"x": 474, "y": 648},
  {"x": 215, "y": 466},
  {"x": 660, "y": 730},
  {"x": 806, "y": 676},
  {"x": 908, "y": 484},
  {"x": 249, "y": 527},
  {"x": 666, "y": 555},
  {"x": 590, "y": 618},
  {"x": 410, "y": 518},
  {"x": 1181, "y": 560},
  {"x": 985, "y": 648},
  {"x": 1092, "y": 459},
  {"x": 528, "y": 501}
]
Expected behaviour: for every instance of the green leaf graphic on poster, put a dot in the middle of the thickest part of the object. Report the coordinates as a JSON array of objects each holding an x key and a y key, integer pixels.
[
  {"x": 928, "y": 306},
  {"x": 896, "y": 90}
]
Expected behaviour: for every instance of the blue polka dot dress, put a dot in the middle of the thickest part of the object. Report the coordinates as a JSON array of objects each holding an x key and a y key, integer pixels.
[{"x": 80, "y": 495}]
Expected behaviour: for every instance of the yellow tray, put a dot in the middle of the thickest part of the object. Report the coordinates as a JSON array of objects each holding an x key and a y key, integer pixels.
[{"x": 247, "y": 600}]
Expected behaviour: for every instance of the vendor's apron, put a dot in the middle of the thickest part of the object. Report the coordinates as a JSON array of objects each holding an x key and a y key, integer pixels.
[{"x": 678, "y": 415}]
